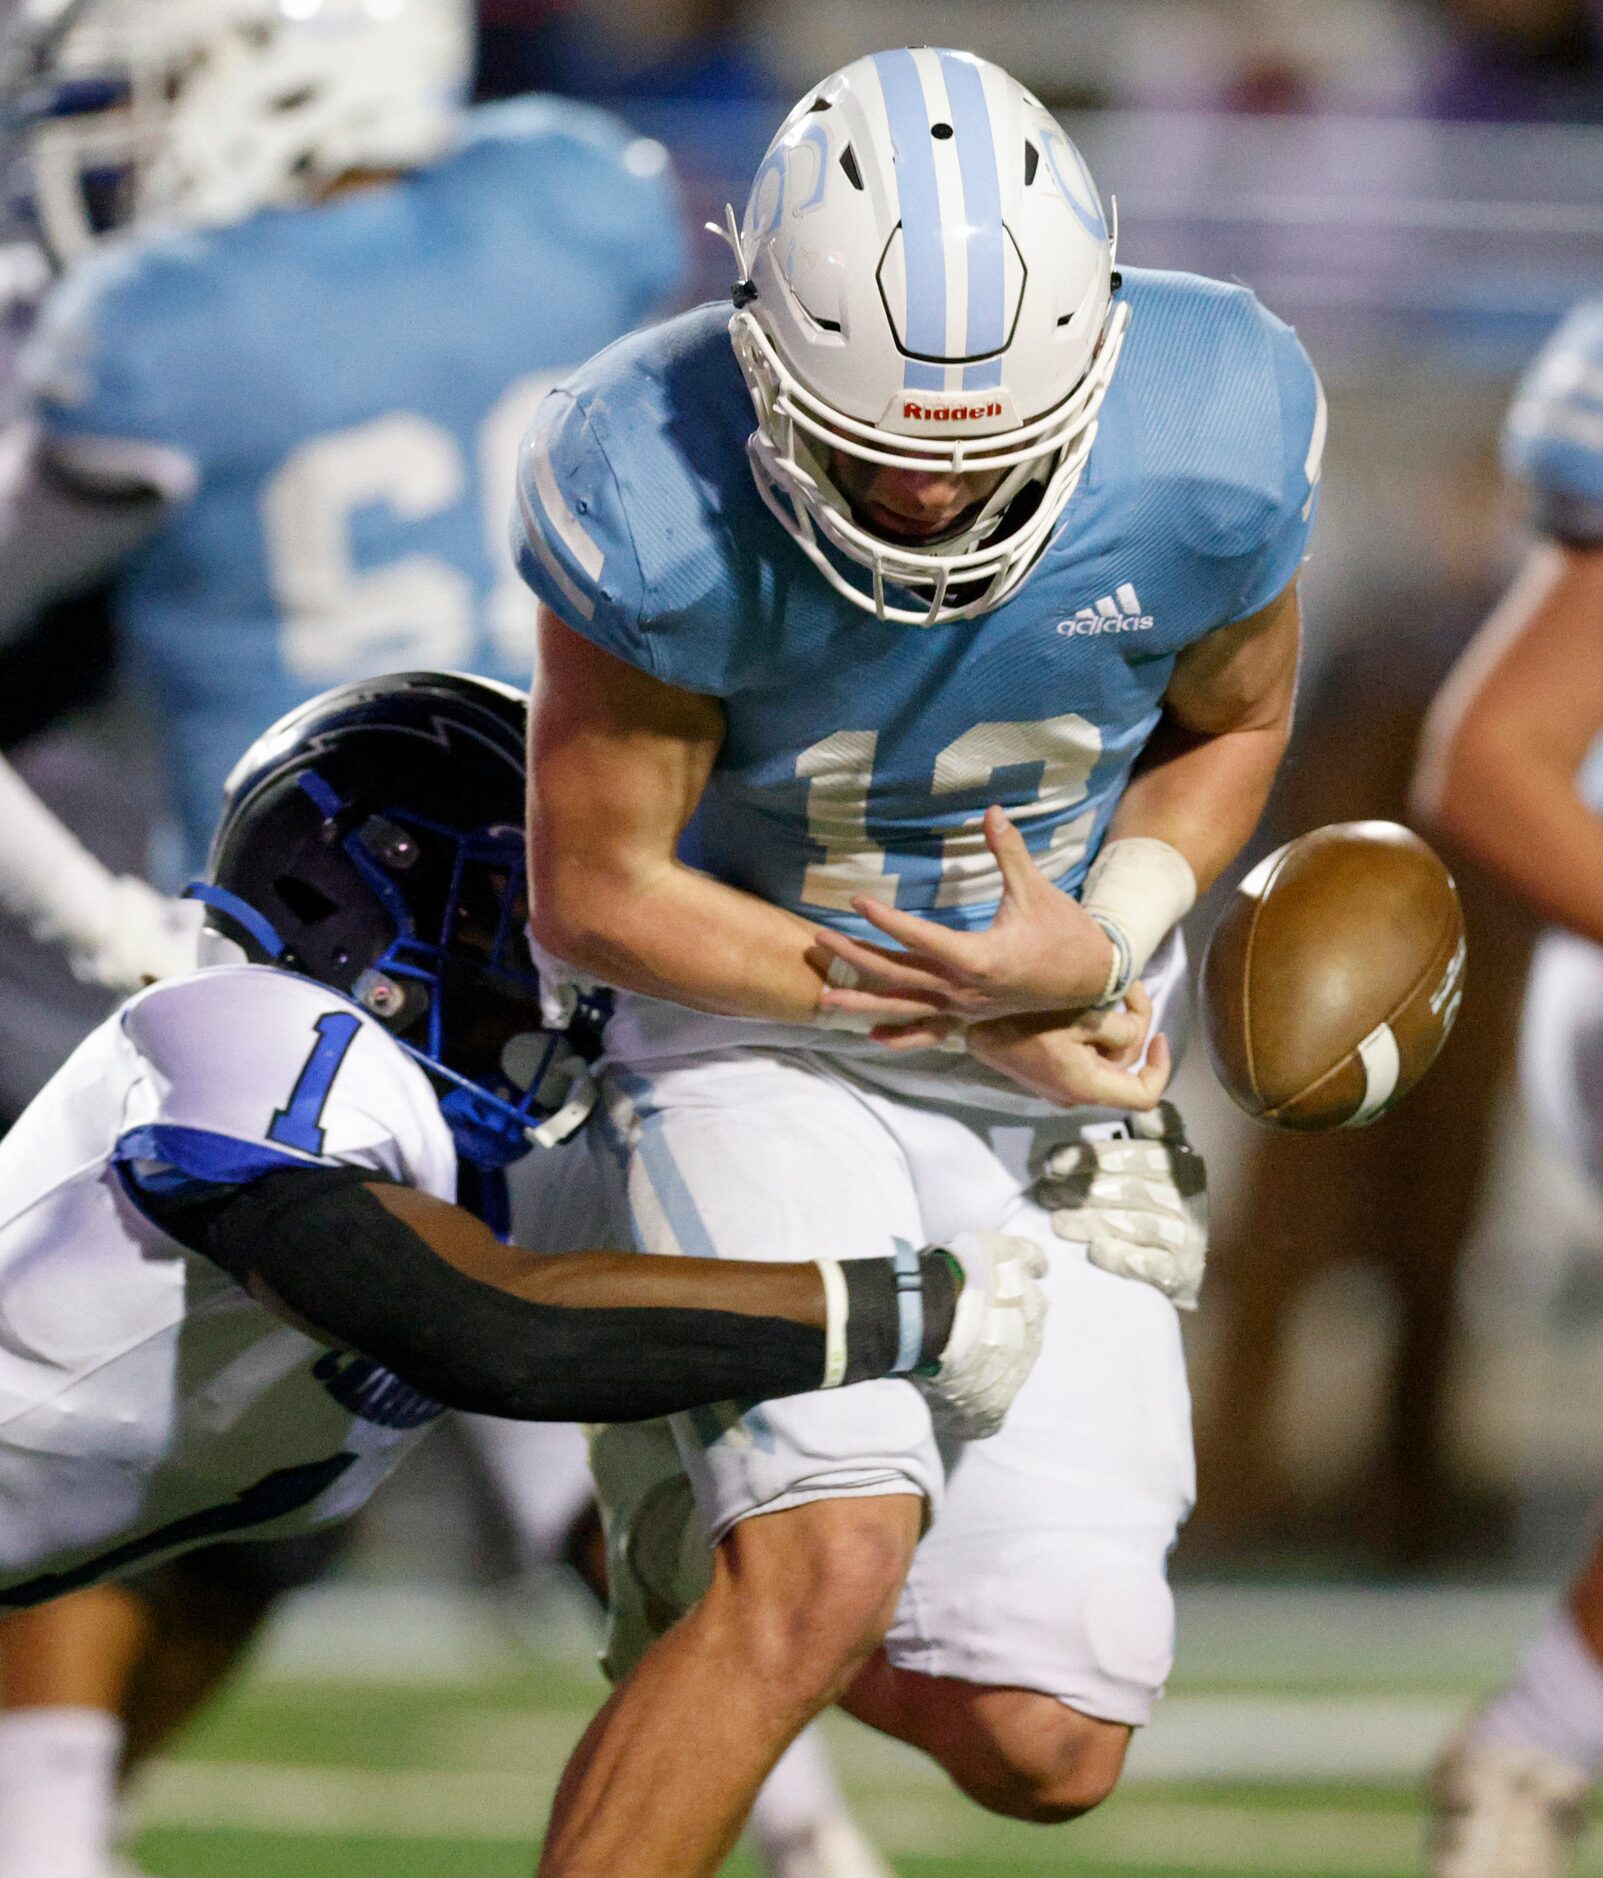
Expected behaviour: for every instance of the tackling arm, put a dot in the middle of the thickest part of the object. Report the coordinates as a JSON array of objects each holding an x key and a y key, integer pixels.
[
  {"x": 1508, "y": 734},
  {"x": 617, "y": 763},
  {"x": 426, "y": 1289}
]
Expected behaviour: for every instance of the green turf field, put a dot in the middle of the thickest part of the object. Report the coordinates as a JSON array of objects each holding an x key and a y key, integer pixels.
[{"x": 390, "y": 1741}]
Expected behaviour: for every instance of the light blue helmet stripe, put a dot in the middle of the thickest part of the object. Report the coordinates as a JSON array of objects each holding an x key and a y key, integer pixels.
[
  {"x": 982, "y": 204},
  {"x": 923, "y": 252},
  {"x": 1084, "y": 201},
  {"x": 818, "y": 137}
]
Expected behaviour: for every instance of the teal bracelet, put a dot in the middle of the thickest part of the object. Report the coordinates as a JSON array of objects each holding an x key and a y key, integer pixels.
[
  {"x": 1122, "y": 973},
  {"x": 909, "y": 1309}
]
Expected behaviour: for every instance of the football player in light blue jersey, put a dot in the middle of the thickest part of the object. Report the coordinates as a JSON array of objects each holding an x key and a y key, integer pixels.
[
  {"x": 1513, "y": 768},
  {"x": 983, "y": 642}
]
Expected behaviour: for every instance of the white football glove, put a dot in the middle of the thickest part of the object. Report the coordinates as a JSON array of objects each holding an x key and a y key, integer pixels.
[
  {"x": 1138, "y": 1201},
  {"x": 996, "y": 1333},
  {"x": 137, "y": 937}
]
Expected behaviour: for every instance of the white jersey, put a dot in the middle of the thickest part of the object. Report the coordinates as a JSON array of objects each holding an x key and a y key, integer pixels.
[{"x": 146, "y": 1402}]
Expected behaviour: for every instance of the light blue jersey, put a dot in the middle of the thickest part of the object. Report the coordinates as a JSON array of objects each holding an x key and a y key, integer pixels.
[
  {"x": 1553, "y": 444},
  {"x": 860, "y": 755},
  {"x": 339, "y": 392}
]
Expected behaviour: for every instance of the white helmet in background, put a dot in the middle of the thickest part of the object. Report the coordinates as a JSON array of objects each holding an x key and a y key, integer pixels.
[
  {"x": 928, "y": 284},
  {"x": 200, "y": 112}
]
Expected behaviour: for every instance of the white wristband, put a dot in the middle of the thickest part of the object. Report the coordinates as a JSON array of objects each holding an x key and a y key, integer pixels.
[
  {"x": 1143, "y": 887},
  {"x": 836, "y": 1305}
]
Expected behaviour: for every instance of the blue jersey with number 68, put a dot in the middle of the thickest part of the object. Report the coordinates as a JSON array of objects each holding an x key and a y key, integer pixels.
[
  {"x": 860, "y": 755},
  {"x": 334, "y": 396}
]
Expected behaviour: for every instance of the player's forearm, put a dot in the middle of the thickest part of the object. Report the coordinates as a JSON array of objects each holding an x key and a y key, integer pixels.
[
  {"x": 1203, "y": 795},
  {"x": 1204, "y": 778},
  {"x": 618, "y": 762},
  {"x": 680, "y": 935},
  {"x": 1511, "y": 806},
  {"x": 428, "y": 1291},
  {"x": 1508, "y": 734},
  {"x": 116, "y": 931}
]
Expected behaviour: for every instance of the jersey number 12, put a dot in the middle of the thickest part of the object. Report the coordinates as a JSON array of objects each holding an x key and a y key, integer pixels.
[{"x": 840, "y": 773}]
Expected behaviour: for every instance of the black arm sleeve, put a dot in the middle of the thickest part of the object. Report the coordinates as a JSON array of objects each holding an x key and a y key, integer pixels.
[{"x": 330, "y": 1251}]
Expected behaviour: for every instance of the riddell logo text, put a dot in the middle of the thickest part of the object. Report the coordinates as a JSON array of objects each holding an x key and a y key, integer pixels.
[{"x": 949, "y": 413}]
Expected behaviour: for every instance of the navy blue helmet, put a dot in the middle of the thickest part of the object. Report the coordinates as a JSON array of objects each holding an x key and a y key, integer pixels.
[{"x": 373, "y": 840}]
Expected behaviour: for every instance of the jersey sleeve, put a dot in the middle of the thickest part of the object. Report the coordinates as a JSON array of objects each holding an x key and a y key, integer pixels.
[
  {"x": 1553, "y": 440},
  {"x": 85, "y": 371},
  {"x": 1300, "y": 403},
  {"x": 572, "y": 537},
  {"x": 246, "y": 1071}
]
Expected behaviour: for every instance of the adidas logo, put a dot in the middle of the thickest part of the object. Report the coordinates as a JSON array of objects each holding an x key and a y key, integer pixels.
[{"x": 1116, "y": 612}]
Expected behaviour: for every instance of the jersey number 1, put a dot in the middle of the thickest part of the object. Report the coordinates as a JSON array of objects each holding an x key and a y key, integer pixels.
[{"x": 299, "y": 1124}]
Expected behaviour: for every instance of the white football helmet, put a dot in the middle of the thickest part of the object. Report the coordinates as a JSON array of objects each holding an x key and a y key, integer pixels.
[
  {"x": 200, "y": 112},
  {"x": 926, "y": 282}
]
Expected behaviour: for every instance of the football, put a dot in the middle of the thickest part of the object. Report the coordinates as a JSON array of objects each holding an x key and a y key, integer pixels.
[{"x": 1334, "y": 976}]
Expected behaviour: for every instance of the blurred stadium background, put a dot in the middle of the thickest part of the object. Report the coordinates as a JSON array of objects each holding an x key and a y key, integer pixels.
[{"x": 1399, "y": 1364}]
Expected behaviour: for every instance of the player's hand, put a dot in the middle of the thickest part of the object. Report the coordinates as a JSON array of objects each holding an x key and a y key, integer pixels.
[
  {"x": 1138, "y": 1202},
  {"x": 142, "y": 936},
  {"x": 996, "y": 1333},
  {"x": 1042, "y": 952},
  {"x": 1090, "y": 1060}
]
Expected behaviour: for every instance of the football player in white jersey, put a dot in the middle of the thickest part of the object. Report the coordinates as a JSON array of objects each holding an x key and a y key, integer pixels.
[
  {"x": 881, "y": 667},
  {"x": 252, "y": 1233},
  {"x": 1512, "y": 767}
]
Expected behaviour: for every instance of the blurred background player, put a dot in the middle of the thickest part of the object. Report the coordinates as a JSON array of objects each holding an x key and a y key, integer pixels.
[
  {"x": 308, "y": 304},
  {"x": 1513, "y": 767}
]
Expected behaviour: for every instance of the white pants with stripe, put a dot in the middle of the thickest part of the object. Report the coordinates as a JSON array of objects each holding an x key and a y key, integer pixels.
[{"x": 1043, "y": 1565}]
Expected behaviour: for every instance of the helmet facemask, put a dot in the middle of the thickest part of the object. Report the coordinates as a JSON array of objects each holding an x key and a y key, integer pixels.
[
  {"x": 965, "y": 573},
  {"x": 373, "y": 842},
  {"x": 926, "y": 285},
  {"x": 455, "y": 983}
]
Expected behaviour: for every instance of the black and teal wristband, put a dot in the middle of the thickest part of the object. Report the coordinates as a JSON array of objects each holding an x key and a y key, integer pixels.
[{"x": 899, "y": 1312}]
